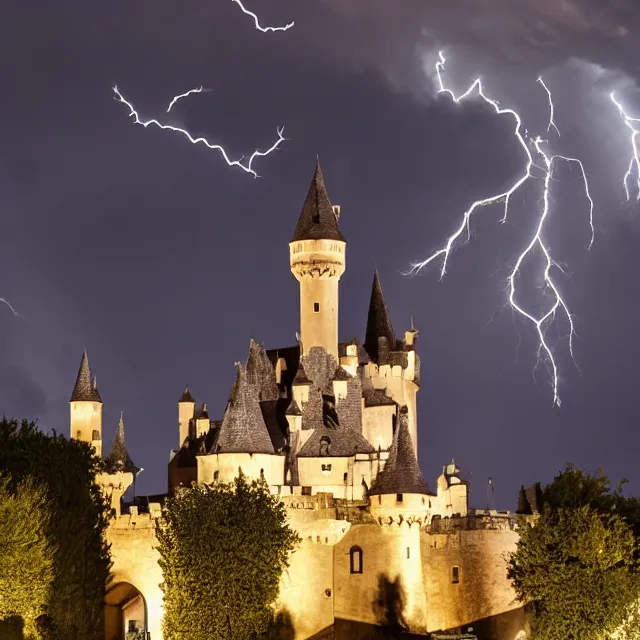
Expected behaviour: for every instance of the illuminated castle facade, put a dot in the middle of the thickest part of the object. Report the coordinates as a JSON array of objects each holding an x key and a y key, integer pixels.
[{"x": 332, "y": 428}]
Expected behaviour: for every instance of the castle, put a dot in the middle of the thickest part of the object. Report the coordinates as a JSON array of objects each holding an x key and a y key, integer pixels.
[{"x": 332, "y": 428}]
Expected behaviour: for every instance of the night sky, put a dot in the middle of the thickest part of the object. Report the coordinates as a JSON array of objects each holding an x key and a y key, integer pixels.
[{"x": 163, "y": 261}]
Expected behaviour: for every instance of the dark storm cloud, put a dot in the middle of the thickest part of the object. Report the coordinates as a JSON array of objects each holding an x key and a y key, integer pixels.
[
  {"x": 529, "y": 34},
  {"x": 19, "y": 394}
]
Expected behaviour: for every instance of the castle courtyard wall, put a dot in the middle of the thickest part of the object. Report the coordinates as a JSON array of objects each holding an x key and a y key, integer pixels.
[{"x": 483, "y": 590}]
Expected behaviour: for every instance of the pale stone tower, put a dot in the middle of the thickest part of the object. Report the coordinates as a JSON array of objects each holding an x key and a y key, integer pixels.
[
  {"x": 86, "y": 408},
  {"x": 186, "y": 412},
  {"x": 317, "y": 258}
]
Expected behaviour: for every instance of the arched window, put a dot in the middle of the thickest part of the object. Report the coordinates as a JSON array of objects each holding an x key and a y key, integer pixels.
[{"x": 355, "y": 559}]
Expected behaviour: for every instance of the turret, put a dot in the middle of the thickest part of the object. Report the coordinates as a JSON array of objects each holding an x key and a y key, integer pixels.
[
  {"x": 186, "y": 411},
  {"x": 317, "y": 257},
  {"x": 85, "y": 420}
]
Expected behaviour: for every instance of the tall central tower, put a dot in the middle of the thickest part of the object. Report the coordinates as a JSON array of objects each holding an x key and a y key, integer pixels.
[{"x": 317, "y": 257}]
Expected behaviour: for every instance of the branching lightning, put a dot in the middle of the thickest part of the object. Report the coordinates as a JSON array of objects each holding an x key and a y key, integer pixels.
[
  {"x": 257, "y": 22},
  {"x": 633, "y": 124},
  {"x": 246, "y": 166},
  {"x": 185, "y": 95},
  {"x": 532, "y": 148},
  {"x": 552, "y": 122}
]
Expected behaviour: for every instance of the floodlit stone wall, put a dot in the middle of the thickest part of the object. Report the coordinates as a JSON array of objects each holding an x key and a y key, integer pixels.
[
  {"x": 465, "y": 574},
  {"x": 136, "y": 561}
]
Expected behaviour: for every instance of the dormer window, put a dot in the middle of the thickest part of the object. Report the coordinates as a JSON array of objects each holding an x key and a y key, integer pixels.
[{"x": 325, "y": 443}]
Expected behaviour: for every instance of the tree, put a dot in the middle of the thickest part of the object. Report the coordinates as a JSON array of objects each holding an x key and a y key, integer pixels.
[
  {"x": 223, "y": 548},
  {"x": 75, "y": 526},
  {"x": 26, "y": 556},
  {"x": 576, "y": 566}
]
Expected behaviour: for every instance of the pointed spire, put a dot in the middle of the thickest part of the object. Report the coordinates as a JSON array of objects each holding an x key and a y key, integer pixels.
[
  {"x": 243, "y": 429},
  {"x": 318, "y": 220},
  {"x": 260, "y": 372},
  {"x": 378, "y": 322},
  {"x": 186, "y": 396},
  {"x": 204, "y": 412},
  {"x": 85, "y": 389},
  {"x": 401, "y": 473},
  {"x": 119, "y": 459}
]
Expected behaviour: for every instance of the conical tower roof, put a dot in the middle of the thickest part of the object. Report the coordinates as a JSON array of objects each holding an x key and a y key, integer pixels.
[
  {"x": 119, "y": 459},
  {"x": 260, "y": 373},
  {"x": 401, "y": 473},
  {"x": 186, "y": 396},
  {"x": 243, "y": 429},
  {"x": 85, "y": 390},
  {"x": 317, "y": 220},
  {"x": 378, "y": 321}
]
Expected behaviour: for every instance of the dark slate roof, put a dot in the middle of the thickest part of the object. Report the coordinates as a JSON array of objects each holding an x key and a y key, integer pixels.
[
  {"x": 343, "y": 439},
  {"x": 271, "y": 414},
  {"x": 204, "y": 412},
  {"x": 85, "y": 389},
  {"x": 291, "y": 357},
  {"x": 377, "y": 398},
  {"x": 341, "y": 374},
  {"x": 243, "y": 428},
  {"x": 301, "y": 376},
  {"x": 186, "y": 396},
  {"x": 260, "y": 372},
  {"x": 293, "y": 409},
  {"x": 343, "y": 442},
  {"x": 401, "y": 473},
  {"x": 378, "y": 322},
  {"x": 317, "y": 220},
  {"x": 119, "y": 458},
  {"x": 530, "y": 500}
]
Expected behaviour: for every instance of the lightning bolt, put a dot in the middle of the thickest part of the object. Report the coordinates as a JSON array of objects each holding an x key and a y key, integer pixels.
[
  {"x": 185, "y": 95},
  {"x": 531, "y": 147},
  {"x": 8, "y": 304},
  {"x": 257, "y": 22},
  {"x": 248, "y": 166},
  {"x": 633, "y": 124},
  {"x": 552, "y": 122}
]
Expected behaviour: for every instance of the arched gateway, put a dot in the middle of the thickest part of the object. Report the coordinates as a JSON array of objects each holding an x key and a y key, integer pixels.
[{"x": 125, "y": 613}]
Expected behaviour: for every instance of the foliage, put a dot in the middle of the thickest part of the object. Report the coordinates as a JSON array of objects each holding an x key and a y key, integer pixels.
[
  {"x": 26, "y": 557},
  {"x": 75, "y": 526},
  {"x": 576, "y": 565},
  {"x": 223, "y": 548}
]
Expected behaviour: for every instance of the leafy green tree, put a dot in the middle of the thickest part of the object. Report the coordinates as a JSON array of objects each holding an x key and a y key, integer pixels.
[
  {"x": 26, "y": 556},
  {"x": 576, "y": 565},
  {"x": 223, "y": 548},
  {"x": 75, "y": 527}
]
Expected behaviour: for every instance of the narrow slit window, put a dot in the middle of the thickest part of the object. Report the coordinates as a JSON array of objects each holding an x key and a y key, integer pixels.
[
  {"x": 355, "y": 559},
  {"x": 455, "y": 575},
  {"x": 316, "y": 307},
  {"x": 408, "y": 552}
]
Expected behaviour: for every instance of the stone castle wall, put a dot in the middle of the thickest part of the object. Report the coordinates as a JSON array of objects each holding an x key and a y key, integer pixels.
[{"x": 406, "y": 571}]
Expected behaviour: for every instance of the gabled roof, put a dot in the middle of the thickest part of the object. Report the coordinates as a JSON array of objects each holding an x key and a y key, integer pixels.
[
  {"x": 260, "y": 372},
  {"x": 85, "y": 390},
  {"x": 317, "y": 220},
  {"x": 243, "y": 428},
  {"x": 186, "y": 396},
  {"x": 401, "y": 473},
  {"x": 378, "y": 322},
  {"x": 119, "y": 459},
  {"x": 329, "y": 438}
]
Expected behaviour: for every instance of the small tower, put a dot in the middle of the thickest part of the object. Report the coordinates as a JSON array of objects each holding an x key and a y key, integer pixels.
[
  {"x": 186, "y": 411},
  {"x": 380, "y": 338},
  {"x": 317, "y": 257},
  {"x": 85, "y": 422}
]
